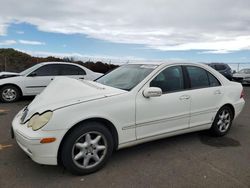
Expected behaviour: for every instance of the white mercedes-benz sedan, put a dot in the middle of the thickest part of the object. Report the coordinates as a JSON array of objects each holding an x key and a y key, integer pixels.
[
  {"x": 33, "y": 80},
  {"x": 80, "y": 123}
]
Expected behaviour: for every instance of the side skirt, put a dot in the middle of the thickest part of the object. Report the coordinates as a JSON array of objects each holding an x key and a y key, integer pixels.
[{"x": 165, "y": 135}]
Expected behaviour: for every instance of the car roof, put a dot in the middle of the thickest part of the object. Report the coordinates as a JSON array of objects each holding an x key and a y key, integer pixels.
[
  {"x": 217, "y": 64},
  {"x": 145, "y": 63},
  {"x": 165, "y": 63},
  {"x": 158, "y": 62},
  {"x": 46, "y": 63}
]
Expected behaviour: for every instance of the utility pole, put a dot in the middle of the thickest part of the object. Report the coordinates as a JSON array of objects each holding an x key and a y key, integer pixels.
[{"x": 5, "y": 63}]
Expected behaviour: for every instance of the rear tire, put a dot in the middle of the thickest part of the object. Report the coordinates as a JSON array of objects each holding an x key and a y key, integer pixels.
[
  {"x": 9, "y": 93},
  {"x": 87, "y": 148},
  {"x": 222, "y": 122}
]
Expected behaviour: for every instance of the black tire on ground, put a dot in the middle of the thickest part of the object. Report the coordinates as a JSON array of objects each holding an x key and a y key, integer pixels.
[
  {"x": 78, "y": 135},
  {"x": 222, "y": 122},
  {"x": 14, "y": 93}
]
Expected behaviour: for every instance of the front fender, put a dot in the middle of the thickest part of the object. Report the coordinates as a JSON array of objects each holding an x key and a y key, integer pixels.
[{"x": 120, "y": 112}]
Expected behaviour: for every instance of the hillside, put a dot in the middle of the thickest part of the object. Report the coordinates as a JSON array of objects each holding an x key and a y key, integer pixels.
[{"x": 16, "y": 61}]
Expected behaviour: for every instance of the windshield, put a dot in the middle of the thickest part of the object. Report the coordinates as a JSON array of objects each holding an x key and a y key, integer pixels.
[
  {"x": 29, "y": 70},
  {"x": 126, "y": 77},
  {"x": 245, "y": 71}
]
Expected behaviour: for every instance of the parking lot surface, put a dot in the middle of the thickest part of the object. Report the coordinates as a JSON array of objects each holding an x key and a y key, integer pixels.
[{"x": 190, "y": 160}]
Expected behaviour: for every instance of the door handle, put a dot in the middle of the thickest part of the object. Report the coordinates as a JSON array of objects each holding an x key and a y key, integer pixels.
[
  {"x": 184, "y": 97},
  {"x": 217, "y": 92},
  {"x": 52, "y": 79},
  {"x": 81, "y": 78}
]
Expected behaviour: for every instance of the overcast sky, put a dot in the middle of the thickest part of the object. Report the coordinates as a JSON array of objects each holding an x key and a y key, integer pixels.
[{"x": 213, "y": 30}]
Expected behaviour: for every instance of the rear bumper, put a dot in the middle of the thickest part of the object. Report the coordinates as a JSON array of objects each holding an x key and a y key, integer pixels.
[
  {"x": 238, "y": 107},
  {"x": 29, "y": 142}
]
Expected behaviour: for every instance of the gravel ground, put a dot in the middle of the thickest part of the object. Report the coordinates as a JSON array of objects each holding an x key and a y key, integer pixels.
[{"x": 190, "y": 160}]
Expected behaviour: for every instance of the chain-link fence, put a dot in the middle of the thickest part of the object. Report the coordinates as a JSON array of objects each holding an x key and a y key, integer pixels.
[
  {"x": 18, "y": 64},
  {"x": 15, "y": 64},
  {"x": 238, "y": 66}
]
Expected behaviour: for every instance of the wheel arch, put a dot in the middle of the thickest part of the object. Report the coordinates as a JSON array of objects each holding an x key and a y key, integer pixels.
[
  {"x": 108, "y": 124},
  {"x": 230, "y": 106}
]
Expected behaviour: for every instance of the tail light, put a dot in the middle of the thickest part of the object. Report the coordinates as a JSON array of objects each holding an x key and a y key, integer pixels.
[{"x": 242, "y": 94}]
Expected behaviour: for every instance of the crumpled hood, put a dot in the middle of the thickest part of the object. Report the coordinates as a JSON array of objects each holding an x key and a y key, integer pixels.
[
  {"x": 66, "y": 91},
  {"x": 8, "y": 74}
]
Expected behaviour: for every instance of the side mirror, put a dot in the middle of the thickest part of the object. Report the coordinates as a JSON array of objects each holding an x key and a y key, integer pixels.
[
  {"x": 234, "y": 71},
  {"x": 32, "y": 74},
  {"x": 152, "y": 92}
]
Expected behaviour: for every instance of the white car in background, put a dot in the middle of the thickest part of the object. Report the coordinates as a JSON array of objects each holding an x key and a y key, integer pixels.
[
  {"x": 133, "y": 104},
  {"x": 33, "y": 80}
]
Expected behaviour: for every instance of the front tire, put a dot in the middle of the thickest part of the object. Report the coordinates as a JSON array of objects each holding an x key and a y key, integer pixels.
[
  {"x": 87, "y": 148},
  {"x": 222, "y": 122},
  {"x": 9, "y": 93}
]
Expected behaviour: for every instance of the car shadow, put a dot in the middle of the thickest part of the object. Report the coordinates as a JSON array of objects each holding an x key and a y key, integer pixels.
[
  {"x": 170, "y": 149},
  {"x": 25, "y": 99}
]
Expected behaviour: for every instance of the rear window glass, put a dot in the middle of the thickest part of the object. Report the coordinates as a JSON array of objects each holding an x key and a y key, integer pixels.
[
  {"x": 220, "y": 67},
  {"x": 70, "y": 70},
  {"x": 198, "y": 77},
  {"x": 213, "y": 82}
]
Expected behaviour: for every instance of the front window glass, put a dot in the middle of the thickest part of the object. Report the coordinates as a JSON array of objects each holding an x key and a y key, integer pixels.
[
  {"x": 126, "y": 77},
  {"x": 29, "y": 70},
  {"x": 169, "y": 80},
  {"x": 47, "y": 70}
]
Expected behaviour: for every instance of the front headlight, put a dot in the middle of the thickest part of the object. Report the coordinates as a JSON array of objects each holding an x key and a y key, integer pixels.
[{"x": 37, "y": 121}]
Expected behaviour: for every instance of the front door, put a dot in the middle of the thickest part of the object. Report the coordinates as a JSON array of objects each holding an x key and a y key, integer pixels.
[
  {"x": 168, "y": 112},
  {"x": 36, "y": 81}
]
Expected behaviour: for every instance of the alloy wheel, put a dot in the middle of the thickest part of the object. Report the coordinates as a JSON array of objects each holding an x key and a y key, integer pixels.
[
  {"x": 89, "y": 150},
  {"x": 9, "y": 94},
  {"x": 224, "y": 121}
]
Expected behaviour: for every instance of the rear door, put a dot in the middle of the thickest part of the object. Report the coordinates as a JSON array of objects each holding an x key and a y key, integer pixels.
[
  {"x": 206, "y": 93},
  {"x": 72, "y": 71}
]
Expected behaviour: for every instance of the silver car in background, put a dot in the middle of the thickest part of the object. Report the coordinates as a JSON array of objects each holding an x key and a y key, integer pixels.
[{"x": 243, "y": 76}]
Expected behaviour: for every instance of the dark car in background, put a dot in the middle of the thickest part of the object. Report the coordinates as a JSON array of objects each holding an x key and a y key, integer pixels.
[{"x": 222, "y": 68}]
